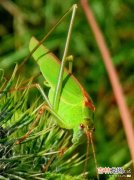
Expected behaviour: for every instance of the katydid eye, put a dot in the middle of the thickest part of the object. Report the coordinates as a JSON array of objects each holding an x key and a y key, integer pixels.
[{"x": 82, "y": 126}]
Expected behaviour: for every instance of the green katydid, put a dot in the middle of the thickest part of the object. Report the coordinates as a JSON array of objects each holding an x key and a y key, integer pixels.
[
  {"x": 72, "y": 107},
  {"x": 75, "y": 108}
]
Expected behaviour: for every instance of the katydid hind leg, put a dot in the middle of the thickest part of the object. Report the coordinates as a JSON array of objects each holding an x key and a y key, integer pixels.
[{"x": 60, "y": 77}]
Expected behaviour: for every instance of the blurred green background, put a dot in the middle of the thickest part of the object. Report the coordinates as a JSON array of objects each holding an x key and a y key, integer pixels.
[{"x": 19, "y": 20}]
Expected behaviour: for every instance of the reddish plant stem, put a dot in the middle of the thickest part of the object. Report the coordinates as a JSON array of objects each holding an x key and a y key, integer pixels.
[{"x": 117, "y": 89}]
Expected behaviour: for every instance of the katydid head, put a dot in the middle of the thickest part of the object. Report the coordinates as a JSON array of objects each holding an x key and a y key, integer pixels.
[
  {"x": 80, "y": 132},
  {"x": 86, "y": 125}
]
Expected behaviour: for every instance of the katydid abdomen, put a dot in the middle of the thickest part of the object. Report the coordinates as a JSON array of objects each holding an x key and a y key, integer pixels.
[{"x": 75, "y": 106}]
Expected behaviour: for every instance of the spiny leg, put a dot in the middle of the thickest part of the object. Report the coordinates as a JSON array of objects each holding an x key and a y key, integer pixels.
[{"x": 40, "y": 112}]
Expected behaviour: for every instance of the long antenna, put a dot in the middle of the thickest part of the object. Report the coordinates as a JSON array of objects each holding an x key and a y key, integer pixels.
[
  {"x": 87, "y": 155},
  {"x": 89, "y": 136}
]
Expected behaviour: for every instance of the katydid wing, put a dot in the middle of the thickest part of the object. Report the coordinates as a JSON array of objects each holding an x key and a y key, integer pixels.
[{"x": 75, "y": 106}]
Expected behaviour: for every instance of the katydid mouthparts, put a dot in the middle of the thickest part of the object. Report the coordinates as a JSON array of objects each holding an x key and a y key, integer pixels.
[{"x": 75, "y": 109}]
